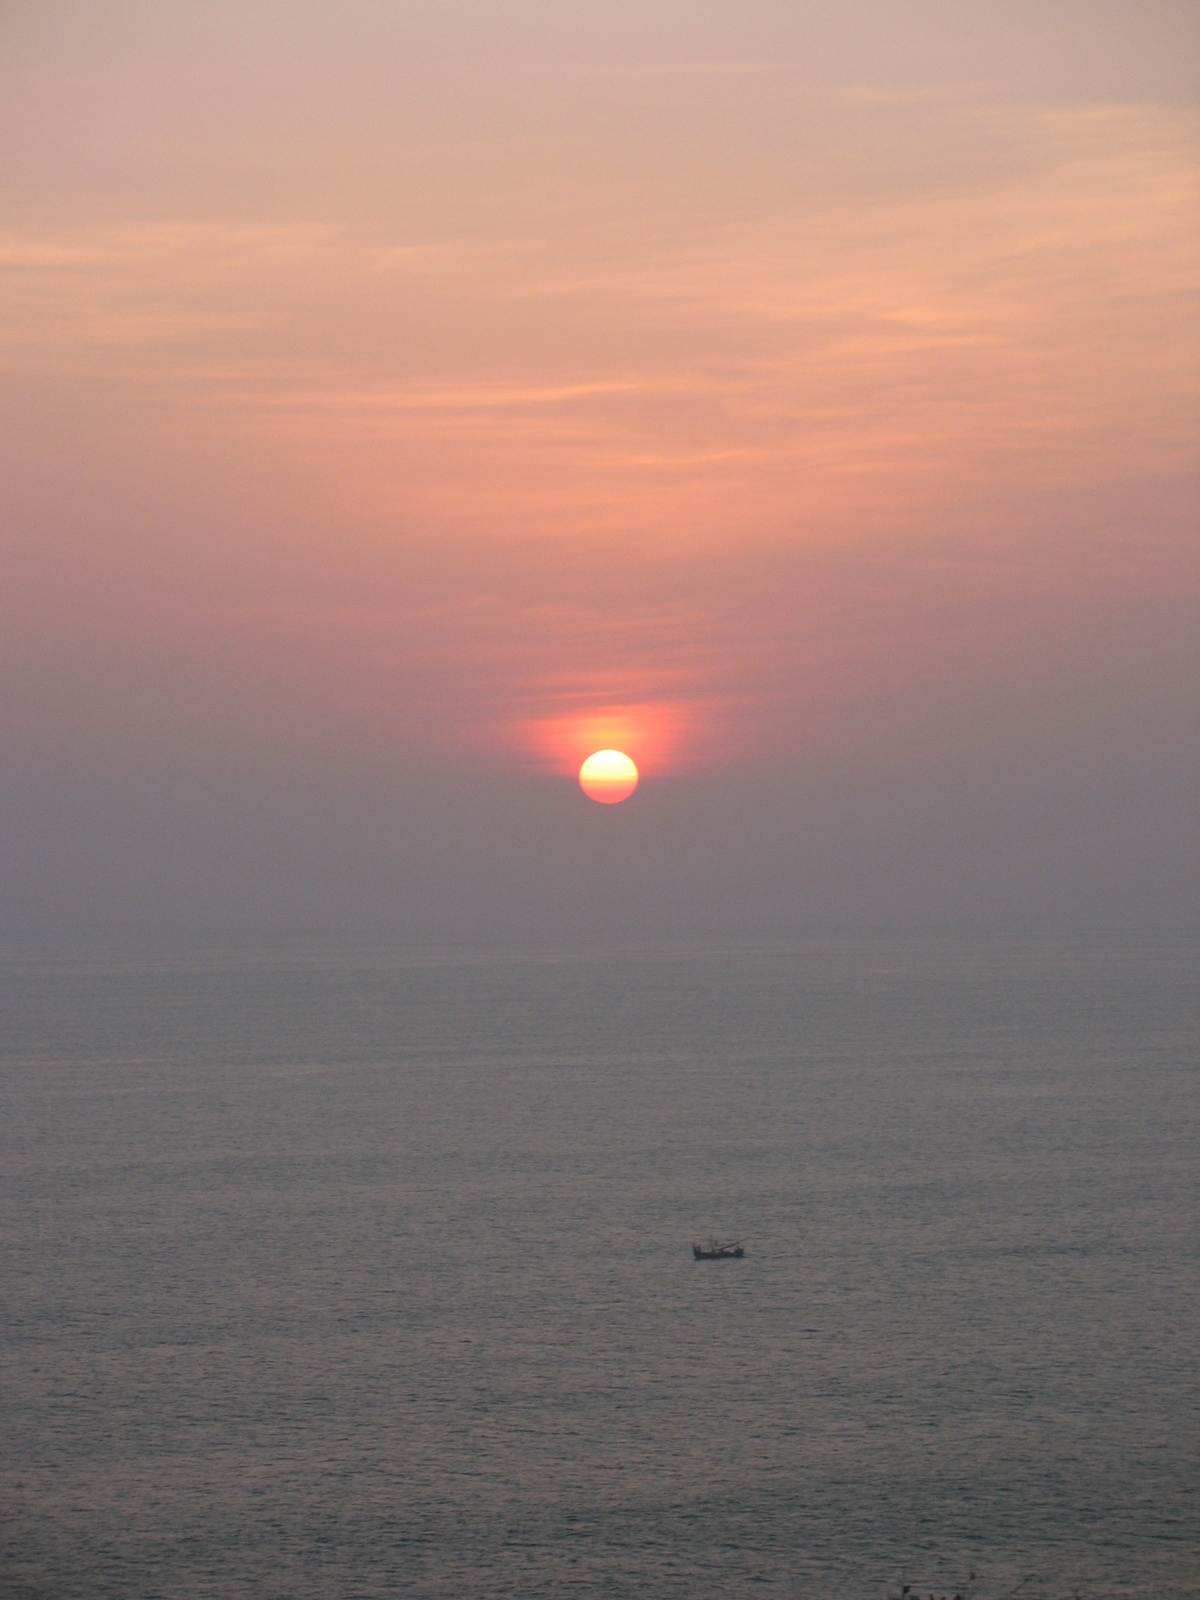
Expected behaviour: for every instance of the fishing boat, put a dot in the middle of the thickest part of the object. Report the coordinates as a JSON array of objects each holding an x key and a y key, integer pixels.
[{"x": 714, "y": 1250}]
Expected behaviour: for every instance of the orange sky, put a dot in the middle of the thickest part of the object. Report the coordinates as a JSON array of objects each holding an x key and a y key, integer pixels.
[{"x": 466, "y": 385}]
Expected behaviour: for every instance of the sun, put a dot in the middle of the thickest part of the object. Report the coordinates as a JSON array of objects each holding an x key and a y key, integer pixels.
[{"x": 608, "y": 776}]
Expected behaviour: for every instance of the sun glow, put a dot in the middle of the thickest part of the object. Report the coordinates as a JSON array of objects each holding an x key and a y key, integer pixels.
[
  {"x": 608, "y": 776},
  {"x": 654, "y": 734}
]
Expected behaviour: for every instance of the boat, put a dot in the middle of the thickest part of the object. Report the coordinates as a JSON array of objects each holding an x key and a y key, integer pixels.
[{"x": 714, "y": 1250}]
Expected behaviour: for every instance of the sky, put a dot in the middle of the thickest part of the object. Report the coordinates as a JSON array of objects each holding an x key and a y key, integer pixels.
[{"x": 400, "y": 401}]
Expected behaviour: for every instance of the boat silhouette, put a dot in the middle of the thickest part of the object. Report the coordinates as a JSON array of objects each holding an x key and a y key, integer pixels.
[{"x": 714, "y": 1250}]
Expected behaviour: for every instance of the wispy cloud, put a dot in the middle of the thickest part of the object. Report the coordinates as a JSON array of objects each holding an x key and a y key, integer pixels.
[{"x": 683, "y": 379}]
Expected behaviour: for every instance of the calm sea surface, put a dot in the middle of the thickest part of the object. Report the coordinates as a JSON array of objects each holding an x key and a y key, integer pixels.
[{"x": 372, "y": 1275}]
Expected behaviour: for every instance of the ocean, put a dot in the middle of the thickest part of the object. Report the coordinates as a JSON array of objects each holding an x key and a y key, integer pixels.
[{"x": 370, "y": 1273}]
